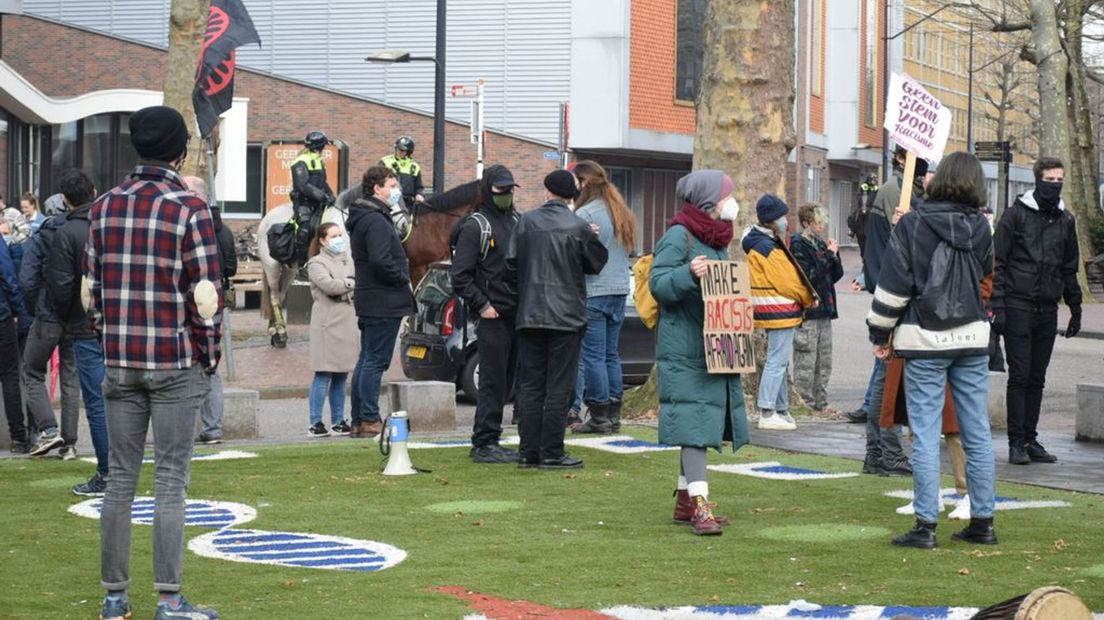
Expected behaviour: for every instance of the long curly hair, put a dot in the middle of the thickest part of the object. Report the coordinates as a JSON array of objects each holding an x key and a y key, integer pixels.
[{"x": 595, "y": 185}]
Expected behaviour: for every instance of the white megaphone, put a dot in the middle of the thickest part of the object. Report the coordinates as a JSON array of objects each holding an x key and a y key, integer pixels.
[{"x": 393, "y": 446}]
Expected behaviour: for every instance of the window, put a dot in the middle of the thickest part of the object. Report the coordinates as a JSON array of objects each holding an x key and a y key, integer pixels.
[
  {"x": 816, "y": 49},
  {"x": 871, "y": 77},
  {"x": 812, "y": 183},
  {"x": 98, "y": 152},
  {"x": 689, "y": 49},
  {"x": 254, "y": 185}
]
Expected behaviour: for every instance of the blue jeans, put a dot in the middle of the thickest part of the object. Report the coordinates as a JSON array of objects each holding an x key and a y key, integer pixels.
[
  {"x": 600, "y": 377},
  {"x": 870, "y": 385},
  {"x": 927, "y": 380},
  {"x": 377, "y": 345},
  {"x": 774, "y": 393},
  {"x": 333, "y": 384},
  {"x": 91, "y": 370}
]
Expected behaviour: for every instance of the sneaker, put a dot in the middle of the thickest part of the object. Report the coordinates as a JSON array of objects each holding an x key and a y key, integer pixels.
[
  {"x": 95, "y": 486},
  {"x": 116, "y": 609},
  {"x": 509, "y": 454},
  {"x": 67, "y": 453},
  {"x": 1036, "y": 452},
  {"x": 318, "y": 429},
  {"x": 961, "y": 511},
  {"x": 208, "y": 440},
  {"x": 857, "y": 416},
  {"x": 340, "y": 429},
  {"x": 1017, "y": 455},
  {"x": 20, "y": 447},
  {"x": 776, "y": 422},
  {"x": 896, "y": 468},
  {"x": 47, "y": 443},
  {"x": 491, "y": 454},
  {"x": 185, "y": 611}
]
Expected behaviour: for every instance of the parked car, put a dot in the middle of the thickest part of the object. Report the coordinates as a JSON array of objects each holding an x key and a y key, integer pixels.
[{"x": 439, "y": 343}]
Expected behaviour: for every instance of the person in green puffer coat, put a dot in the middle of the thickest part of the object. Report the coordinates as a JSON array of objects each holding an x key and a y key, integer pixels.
[{"x": 697, "y": 410}]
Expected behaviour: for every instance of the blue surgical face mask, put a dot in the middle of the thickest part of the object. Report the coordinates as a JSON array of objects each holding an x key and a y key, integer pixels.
[
  {"x": 396, "y": 197},
  {"x": 783, "y": 224},
  {"x": 339, "y": 244}
]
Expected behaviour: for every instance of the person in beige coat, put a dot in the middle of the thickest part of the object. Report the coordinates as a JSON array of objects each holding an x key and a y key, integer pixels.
[{"x": 333, "y": 327}]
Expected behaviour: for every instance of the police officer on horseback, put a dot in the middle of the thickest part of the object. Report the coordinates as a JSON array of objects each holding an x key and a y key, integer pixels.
[
  {"x": 310, "y": 194},
  {"x": 407, "y": 171}
]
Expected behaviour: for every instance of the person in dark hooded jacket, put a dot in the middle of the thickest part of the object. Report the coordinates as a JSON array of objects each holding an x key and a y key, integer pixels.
[
  {"x": 929, "y": 301},
  {"x": 382, "y": 296},
  {"x": 1037, "y": 259},
  {"x": 479, "y": 277}
]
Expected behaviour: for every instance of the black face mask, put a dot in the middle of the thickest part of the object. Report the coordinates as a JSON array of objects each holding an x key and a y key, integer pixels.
[{"x": 1047, "y": 194}]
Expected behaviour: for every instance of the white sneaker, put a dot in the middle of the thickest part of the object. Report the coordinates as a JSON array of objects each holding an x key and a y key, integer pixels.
[
  {"x": 910, "y": 509},
  {"x": 961, "y": 512},
  {"x": 777, "y": 422}
]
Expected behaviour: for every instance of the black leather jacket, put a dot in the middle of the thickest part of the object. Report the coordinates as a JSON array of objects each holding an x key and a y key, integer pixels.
[
  {"x": 550, "y": 256},
  {"x": 1037, "y": 256}
]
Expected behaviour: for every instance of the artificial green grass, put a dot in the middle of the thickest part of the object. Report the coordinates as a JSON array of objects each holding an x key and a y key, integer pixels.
[{"x": 589, "y": 538}]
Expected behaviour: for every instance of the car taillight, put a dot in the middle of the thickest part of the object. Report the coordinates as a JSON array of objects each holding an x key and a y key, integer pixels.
[{"x": 448, "y": 317}]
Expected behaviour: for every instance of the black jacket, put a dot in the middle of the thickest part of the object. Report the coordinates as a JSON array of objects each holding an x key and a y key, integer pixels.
[
  {"x": 382, "y": 269},
  {"x": 64, "y": 271},
  {"x": 552, "y": 253},
  {"x": 227, "y": 252},
  {"x": 823, "y": 268},
  {"x": 1037, "y": 257},
  {"x": 905, "y": 274},
  {"x": 32, "y": 270},
  {"x": 483, "y": 282}
]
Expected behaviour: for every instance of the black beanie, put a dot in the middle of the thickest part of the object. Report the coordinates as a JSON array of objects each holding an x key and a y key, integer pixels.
[
  {"x": 158, "y": 133},
  {"x": 770, "y": 208},
  {"x": 561, "y": 183}
]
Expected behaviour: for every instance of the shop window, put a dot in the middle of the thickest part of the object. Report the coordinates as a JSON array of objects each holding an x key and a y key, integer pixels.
[{"x": 689, "y": 49}]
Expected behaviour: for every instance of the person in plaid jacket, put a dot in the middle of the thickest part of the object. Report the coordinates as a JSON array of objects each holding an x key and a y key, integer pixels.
[{"x": 153, "y": 275}]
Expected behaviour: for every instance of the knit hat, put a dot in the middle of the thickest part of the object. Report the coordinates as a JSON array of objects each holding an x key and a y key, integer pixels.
[
  {"x": 770, "y": 208},
  {"x": 703, "y": 188},
  {"x": 158, "y": 133},
  {"x": 561, "y": 183},
  {"x": 20, "y": 229}
]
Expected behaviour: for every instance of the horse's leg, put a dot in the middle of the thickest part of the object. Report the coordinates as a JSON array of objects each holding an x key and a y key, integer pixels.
[{"x": 278, "y": 327}]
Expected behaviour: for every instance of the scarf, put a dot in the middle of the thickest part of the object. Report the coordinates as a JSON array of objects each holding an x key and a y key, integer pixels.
[{"x": 717, "y": 234}]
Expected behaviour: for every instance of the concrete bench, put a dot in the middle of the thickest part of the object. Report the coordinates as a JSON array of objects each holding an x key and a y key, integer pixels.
[
  {"x": 429, "y": 405},
  {"x": 1090, "y": 412},
  {"x": 998, "y": 400},
  {"x": 239, "y": 420}
]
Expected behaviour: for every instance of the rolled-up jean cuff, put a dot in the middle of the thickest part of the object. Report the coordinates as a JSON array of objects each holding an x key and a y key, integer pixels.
[{"x": 167, "y": 587}]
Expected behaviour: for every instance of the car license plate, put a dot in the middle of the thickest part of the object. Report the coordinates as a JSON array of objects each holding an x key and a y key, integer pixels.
[{"x": 416, "y": 352}]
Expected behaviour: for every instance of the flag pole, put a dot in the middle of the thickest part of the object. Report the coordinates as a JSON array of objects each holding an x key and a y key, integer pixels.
[{"x": 227, "y": 334}]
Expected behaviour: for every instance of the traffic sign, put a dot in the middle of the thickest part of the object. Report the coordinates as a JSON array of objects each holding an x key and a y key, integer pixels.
[
  {"x": 993, "y": 151},
  {"x": 465, "y": 90}
]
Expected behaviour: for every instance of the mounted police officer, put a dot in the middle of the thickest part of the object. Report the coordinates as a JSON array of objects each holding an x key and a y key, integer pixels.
[
  {"x": 310, "y": 192},
  {"x": 407, "y": 171}
]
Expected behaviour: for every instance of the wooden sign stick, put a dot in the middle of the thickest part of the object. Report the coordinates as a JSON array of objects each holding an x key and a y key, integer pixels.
[{"x": 906, "y": 184}]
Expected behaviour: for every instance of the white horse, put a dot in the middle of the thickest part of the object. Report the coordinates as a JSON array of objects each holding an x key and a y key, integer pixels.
[{"x": 278, "y": 276}]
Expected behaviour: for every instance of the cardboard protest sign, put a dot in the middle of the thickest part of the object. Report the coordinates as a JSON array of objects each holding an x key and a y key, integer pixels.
[
  {"x": 916, "y": 120},
  {"x": 729, "y": 317}
]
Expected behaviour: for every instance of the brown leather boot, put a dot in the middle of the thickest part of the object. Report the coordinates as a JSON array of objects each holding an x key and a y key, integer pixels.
[
  {"x": 703, "y": 523},
  {"x": 372, "y": 429},
  {"x": 684, "y": 509}
]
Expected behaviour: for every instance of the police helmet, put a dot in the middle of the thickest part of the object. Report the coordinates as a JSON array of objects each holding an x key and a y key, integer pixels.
[
  {"x": 316, "y": 140},
  {"x": 405, "y": 143}
]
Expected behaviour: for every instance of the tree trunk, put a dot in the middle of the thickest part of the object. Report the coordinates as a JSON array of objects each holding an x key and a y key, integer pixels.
[
  {"x": 187, "y": 26},
  {"x": 745, "y": 111},
  {"x": 1052, "y": 66}
]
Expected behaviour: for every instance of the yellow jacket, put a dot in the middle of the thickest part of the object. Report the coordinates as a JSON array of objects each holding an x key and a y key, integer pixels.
[{"x": 777, "y": 288}]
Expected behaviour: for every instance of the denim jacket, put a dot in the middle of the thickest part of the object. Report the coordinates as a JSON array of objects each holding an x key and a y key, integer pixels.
[{"x": 614, "y": 278}]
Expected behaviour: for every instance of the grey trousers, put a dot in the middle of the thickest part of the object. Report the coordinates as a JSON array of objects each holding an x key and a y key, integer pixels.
[
  {"x": 210, "y": 415},
  {"x": 41, "y": 341},
  {"x": 135, "y": 399},
  {"x": 813, "y": 361},
  {"x": 882, "y": 444}
]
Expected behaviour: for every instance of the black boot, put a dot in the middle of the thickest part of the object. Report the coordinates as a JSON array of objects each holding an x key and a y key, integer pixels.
[
  {"x": 979, "y": 532},
  {"x": 1036, "y": 452},
  {"x": 920, "y": 537},
  {"x": 598, "y": 424},
  {"x": 1017, "y": 455},
  {"x": 615, "y": 416},
  {"x": 872, "y": 464}
]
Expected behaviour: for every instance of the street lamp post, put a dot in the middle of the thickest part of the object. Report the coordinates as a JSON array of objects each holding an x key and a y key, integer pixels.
[{"x": 400, "y": 56}]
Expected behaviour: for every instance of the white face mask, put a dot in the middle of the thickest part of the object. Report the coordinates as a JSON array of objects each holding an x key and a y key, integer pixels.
[
  {"x": 783, "y": 224},
  {"x": 730, "y": 209},
  {"x": 395, "y": 197},
  {"x": 338, "y": 244}
]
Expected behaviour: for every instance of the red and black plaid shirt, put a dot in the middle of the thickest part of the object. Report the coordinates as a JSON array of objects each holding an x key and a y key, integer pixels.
[{"x": 151, "y": 241}]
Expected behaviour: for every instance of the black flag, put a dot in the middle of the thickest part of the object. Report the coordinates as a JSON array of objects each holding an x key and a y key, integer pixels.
[{"x": 228, "y": 27}]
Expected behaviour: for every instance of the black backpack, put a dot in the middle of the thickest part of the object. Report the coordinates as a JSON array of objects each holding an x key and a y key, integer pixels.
[
  {"x": 281, "y": 242},
  {"x": 951, "y": 297},
  {"x": 485, "y": 233}
]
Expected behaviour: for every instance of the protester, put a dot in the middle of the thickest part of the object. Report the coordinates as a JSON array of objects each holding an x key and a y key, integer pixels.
[
  {"x": 1037, "y": 260},
  {"x": 820, "y": 261},
  {"x": 15, "y": 231},
  {"x": 333, "y": 327},
  {"x": 47, "y": 334},
  {"x": 551, "y": 254},
  {"x": 781, "y": 297},
  {"x": 214, "y": 406},
  {"x": 13, "y": 315},
  {"x": 697, "y": 410},
  {"x": 151, "y": 245},
  {"x": 28, "y": 204},
  {"x": 929, "y": 301},
  {"x": 479, "y": 278},
  {"x": 600, "y": 382},
  {"x": 382, "y": 296},
  {"x": 406, "y": 170},
  {"x": 63, "y": 293}
]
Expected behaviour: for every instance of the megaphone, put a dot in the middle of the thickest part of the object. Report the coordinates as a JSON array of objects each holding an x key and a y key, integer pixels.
[{"x": 396, "y": 430}]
